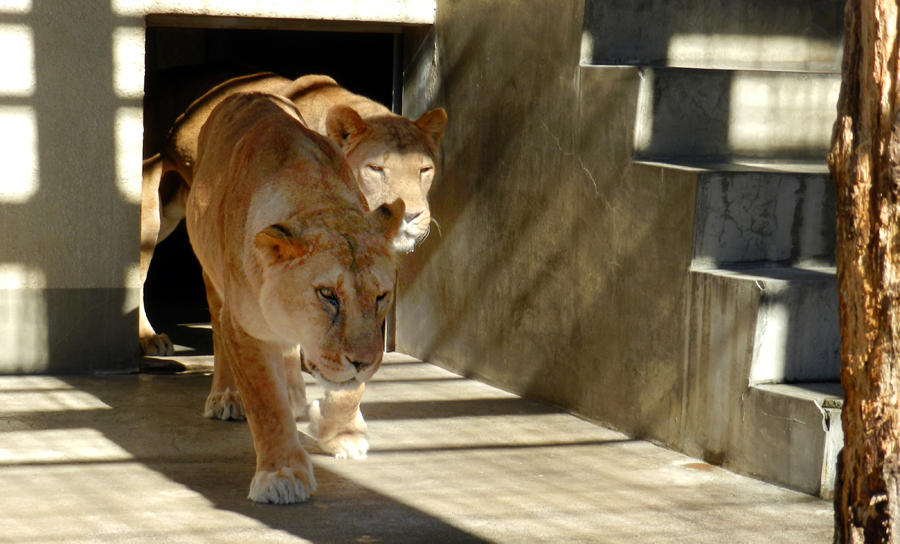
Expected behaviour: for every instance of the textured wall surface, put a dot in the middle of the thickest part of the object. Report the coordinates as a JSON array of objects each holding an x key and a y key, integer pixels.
[
  {"x": 69, "y": 209},
  {"x": 560, "y": 267}
]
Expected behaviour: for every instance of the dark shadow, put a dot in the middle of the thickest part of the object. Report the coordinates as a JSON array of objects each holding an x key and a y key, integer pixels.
[{"x": 401, "y": 409}]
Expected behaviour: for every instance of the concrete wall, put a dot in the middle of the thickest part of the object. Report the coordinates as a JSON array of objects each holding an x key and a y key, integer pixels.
[
  {"x": 71, "y": 88},
  {"x": 560, "y": 267}
]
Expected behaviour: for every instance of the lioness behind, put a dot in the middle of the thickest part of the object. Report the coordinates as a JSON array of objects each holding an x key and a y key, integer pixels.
[
  {"x": 290, "y": 258},
  {"x": 391, "y": 156}
]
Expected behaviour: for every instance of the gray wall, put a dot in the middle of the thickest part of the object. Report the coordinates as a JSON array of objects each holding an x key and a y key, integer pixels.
[
  {"x": 559, "y": 270},
  {"x": 69, "y": 212}
]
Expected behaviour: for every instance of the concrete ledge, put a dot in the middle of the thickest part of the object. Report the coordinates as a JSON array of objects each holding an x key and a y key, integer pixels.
[
  {"x": 745, "y": 34},
  {"x": 746, "y": 217},
  {"x": 794, "y": 435},
  {"x": 387, "y": 11},
  {"x": 731, "y": 113}
]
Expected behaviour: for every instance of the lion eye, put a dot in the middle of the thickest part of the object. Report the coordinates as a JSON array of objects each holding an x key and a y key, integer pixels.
[
  {"x": 425, "y": 170},
  {"x": 376, "y": 168},
  {"x": 329, "y": 299}
]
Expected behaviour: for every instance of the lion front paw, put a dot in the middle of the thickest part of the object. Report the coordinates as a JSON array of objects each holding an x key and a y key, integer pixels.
[
  {"x": 344, "y": 440},
  {"x": 224, "y": 405},
  {"x": 286, "y": 485},
  {"x": 157, "y": 345},
  {"x": 347, "y": 446}
]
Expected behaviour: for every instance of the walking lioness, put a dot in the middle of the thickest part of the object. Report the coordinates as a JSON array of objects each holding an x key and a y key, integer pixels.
[
  {"x": 290, "y": 258},
  {"x": 392, "y": 157}
]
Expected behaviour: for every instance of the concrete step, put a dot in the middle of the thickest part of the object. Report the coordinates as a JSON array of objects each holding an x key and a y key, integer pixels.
[
  {"x": 793, "y": 435},
  {"x": 709, "y": 115},
  {"x": 786, "y": 317},
  {"x": 762, "y": 366},
  {"x": 739, "y": 34},
  {"x": 755, "y": 217}
]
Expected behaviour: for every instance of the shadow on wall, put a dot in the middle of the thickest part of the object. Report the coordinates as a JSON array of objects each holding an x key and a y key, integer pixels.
[
  {"x": 70, "y": 193},
  {"x": 545, "y": 228},
  {"x": 561, "y": 270}
]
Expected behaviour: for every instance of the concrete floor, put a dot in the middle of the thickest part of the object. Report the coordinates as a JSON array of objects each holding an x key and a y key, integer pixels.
[{"x": 129, "y": 459}]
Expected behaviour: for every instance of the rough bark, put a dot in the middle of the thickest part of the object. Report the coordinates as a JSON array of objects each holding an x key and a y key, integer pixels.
[{"x": 865, "y": 165}]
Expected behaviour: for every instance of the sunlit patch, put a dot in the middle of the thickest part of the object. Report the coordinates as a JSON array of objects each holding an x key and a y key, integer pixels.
[
  {"x": 58, "y": 446},
  {"x": 15, "y": 6},
  {"x": 32, "y": 383},
  {"x": 23, "y": 324},
  {"x": 18, "y": 153},
  {"x": 20, "y": 276},
  {"x": 703, "y": 50},
  {"x": 17, "y": 60},
  {"x": 128, "y": 62},
  {"x": 754, "y": 100},
  {"x": 129, "y": 145},
  {"x": 65, "y": 400},
  {"x": 420, "y": 12}
]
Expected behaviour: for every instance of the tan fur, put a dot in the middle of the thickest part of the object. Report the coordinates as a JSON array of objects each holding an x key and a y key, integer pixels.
[
  {"x": 168, "y": 174},
  {"x": 391, "y": 156},
  {"x": 290, "y": 257}
]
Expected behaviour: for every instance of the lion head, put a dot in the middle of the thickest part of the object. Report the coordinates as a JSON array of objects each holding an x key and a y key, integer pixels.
[
  {"x": 392, "y": 157},
  {"x": 328, "y": 283}
]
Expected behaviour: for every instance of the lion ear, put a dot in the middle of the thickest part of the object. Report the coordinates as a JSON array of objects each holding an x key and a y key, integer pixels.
[
  {"x": 433, "y": 123},
  {"x": 387, "y": 218},
  {"x": 343, "y": 125},
  {"x": 278, "y": 244}
]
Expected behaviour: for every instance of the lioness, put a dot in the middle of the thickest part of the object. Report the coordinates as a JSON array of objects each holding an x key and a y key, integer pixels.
[
  {"x": 290, "y": 257},
  {"x": 391, "y": 157},
  {"x": 167, "y": 177}
]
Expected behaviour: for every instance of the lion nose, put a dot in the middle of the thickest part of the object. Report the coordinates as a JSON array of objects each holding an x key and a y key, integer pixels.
[{"x": 410, "y": 217}]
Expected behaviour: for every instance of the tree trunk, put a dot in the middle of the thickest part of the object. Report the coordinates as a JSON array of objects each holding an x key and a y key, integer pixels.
[{"x": 865, "y": 165}]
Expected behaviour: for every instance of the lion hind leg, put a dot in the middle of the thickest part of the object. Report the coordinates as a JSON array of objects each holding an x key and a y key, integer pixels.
[
  {"x": 224, "y": 405},
  {"x": 337, "y": 424},
  {"x": 152, "y": 344},
  {"x": 224, "y": 401}
]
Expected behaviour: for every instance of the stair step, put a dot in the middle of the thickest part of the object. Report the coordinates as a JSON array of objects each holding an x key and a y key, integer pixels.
[
  {"x": 752, "y": 217},
  {"x": 789, "y": 320},
  {"x": 739, "y": 34},
  {"x": 794, "y": 435},
  {"x": 686, "y": 114},
  {"x": 752, "y": 330}
]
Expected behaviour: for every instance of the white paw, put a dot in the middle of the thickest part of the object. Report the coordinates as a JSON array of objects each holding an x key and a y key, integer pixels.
[
  {"x": 347, "y": 446},
  {"x": 287, "y": 485},
  {"x": 224, "y": 405},
  {"x": 344, "y": 441},
  {"x": 157, "y": 345}
]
